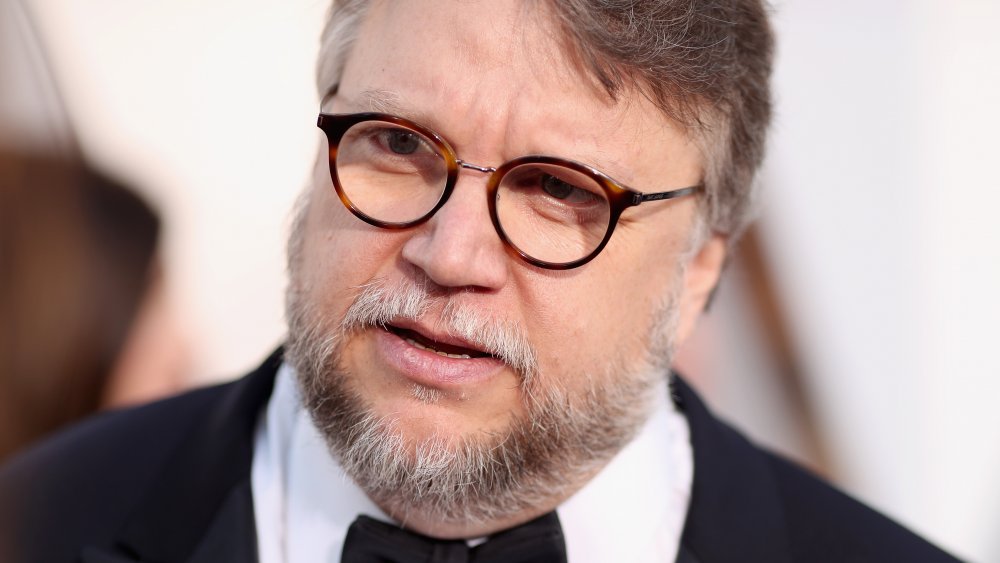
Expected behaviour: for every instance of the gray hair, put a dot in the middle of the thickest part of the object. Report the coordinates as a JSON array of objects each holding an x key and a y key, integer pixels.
[{"x": 706, "y": 64}]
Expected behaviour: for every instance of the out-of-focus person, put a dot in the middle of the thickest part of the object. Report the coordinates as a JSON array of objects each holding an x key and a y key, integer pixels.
[{"x": 83, "y": 321}]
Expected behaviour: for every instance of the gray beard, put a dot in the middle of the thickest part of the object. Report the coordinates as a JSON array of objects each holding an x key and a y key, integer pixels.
[{"x": 542, "y": 456}]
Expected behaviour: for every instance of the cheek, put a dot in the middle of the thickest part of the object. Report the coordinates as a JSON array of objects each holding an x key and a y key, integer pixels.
[
  {"x": 340, "y": 253},
  {"x": 585, "y": 323},
  {"x": 578, "y": 329}
]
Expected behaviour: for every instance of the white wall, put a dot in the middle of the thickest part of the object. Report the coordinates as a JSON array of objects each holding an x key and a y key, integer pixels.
[
  {"x": 883, "y": 224},
  {"x": 208, "y": 106},
  {"x": 881, "y": 220}
]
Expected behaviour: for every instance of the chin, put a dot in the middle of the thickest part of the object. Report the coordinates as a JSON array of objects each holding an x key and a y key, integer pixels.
[{"x": 424, "y": 415}]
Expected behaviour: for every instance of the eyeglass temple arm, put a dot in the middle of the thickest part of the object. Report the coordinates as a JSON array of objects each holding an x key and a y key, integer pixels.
[{"x": 640, "y": 198}]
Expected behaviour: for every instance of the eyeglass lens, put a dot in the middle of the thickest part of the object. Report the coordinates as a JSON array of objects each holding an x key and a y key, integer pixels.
[
  {"x": 390, "y": 173},
  {"x": 395, "y": 174}
]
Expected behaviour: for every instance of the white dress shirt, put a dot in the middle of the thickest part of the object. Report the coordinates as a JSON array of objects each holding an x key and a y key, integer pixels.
[{"x": 633, "y": 510}]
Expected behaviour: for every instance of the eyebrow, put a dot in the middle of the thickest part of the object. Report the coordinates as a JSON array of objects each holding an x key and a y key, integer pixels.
[
  {"x": 373, "y": 99},
  {"x": 383, "y": 100}
]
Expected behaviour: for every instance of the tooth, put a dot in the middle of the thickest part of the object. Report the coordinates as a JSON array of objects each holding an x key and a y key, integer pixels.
[
  {"x": 457, "y": 356},
  {"x": 416, "y": 344}
]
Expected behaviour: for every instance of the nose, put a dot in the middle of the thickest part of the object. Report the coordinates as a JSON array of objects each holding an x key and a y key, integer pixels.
[{"x": 458, "y": 247}]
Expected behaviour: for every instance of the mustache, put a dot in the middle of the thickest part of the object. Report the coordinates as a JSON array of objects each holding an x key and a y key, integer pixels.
[{"x": 379, "y": 302}]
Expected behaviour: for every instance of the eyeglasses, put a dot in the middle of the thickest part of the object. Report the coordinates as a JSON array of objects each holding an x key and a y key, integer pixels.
[{"x": 554, "y": 213}]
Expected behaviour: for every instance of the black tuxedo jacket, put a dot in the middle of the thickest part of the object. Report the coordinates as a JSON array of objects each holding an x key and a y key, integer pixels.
[{"x": 170, "y": 482}]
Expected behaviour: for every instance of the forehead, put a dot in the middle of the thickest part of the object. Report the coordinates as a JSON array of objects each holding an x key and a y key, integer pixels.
[
  {"x": 496, "y": 76},
  {"x": 493, "y": 35}
]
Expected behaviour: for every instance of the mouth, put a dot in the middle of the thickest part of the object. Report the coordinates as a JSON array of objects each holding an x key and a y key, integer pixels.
[{"x": 428, "y": 344}]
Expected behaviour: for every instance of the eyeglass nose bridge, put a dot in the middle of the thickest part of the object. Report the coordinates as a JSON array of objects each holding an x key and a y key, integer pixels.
[{"x": 476, "y": 167}]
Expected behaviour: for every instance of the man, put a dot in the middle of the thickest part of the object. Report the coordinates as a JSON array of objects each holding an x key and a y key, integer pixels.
[{"x": 522, "y": 210}]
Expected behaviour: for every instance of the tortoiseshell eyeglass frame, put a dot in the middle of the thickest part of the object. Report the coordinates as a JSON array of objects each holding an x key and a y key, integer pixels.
[{"x": 620, "y": 197}]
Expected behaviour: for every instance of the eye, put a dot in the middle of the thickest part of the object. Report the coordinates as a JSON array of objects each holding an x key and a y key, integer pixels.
[
  {"x": 556, "y": 187},
  {"x": 563, "y": 190},
  {"x": 401, "y": 141}
]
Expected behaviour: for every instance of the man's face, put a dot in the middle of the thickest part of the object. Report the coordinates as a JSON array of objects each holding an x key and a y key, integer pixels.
[{"x": 493, "y": 79}]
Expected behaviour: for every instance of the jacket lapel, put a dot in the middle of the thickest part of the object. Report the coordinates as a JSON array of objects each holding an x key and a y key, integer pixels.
[
  {"x": 232, "y": 535},
  {"x": 735, "y": 513},
  {"x": 98, "y": 555},
  {"x": 685, "y": 556},
  {"x": 200, "y": 508}
]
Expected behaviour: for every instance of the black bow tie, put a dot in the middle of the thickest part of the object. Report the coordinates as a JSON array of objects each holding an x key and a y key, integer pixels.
[{"x": 371, "y": 541}]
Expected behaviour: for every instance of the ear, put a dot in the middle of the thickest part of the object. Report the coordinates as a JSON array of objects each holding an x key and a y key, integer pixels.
[{"x": 700, "y": 278}]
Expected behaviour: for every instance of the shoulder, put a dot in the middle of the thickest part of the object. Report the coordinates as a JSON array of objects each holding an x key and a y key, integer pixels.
[
  {"x": 81, "y": 484},
  {"x": 826, "y": 524},
  {"x": 156, "y": 473},
  {"x": 748, "y": 504}
]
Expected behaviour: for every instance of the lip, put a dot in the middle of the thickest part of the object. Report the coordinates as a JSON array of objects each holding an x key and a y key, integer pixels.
[
  {"x": 434, "y": 338},
  {"x": 417, "y": 339},
  {"x": 428, "y": 368}
]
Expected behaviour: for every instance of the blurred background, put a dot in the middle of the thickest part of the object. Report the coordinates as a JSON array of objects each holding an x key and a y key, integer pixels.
[{"x": 855, "y": 332}]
